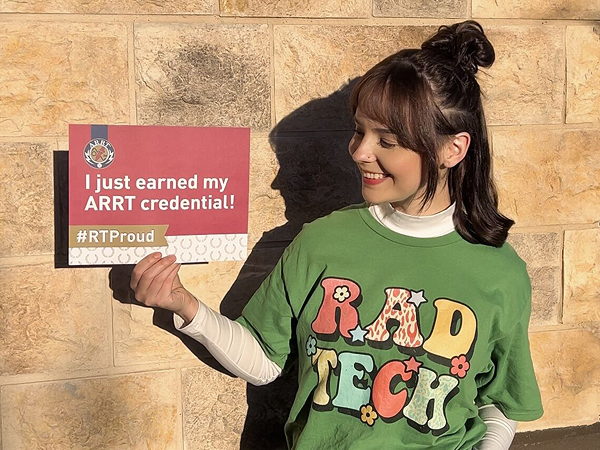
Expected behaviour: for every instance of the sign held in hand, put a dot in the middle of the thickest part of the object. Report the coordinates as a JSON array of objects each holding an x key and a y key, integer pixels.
[{"x": 134, "y": 190}]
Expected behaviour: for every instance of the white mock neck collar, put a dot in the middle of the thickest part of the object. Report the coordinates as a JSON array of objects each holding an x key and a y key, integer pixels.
[{"x": 435, "y": 225}]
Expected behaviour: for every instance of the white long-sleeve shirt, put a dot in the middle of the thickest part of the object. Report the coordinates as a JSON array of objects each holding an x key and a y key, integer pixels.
[{"x": 240, "y": 353}]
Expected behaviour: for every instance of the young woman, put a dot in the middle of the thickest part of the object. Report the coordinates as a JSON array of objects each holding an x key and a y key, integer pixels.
[{"x": 407, "y": 314}]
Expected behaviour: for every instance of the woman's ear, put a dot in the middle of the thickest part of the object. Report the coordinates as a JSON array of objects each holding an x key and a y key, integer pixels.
[{"x": 456, "y": 150}]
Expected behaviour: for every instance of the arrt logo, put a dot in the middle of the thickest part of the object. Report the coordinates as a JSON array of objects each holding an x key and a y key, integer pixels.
[{"x": 99, "y": 153}]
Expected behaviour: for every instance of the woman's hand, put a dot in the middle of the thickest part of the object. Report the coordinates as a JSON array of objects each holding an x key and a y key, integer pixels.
[{"x": 156, "y": 283}]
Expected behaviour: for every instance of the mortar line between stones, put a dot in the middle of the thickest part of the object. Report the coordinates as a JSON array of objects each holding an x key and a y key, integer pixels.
[
  {"x": 212, "y": 19},
  {"x": 111, "y": 326},
  {"x": 180, "y": 418},
  {"x": 131, "y": 74},
  {"x": 121, "y": 371},
  {"x": 272, "y": 72},
  {"x": 561, "y": 307},
  {"x": 565, "y": 84},
  {"x": 2, "y": 437}
]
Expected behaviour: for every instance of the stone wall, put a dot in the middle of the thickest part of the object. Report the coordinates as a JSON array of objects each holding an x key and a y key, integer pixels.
[{"x": 83, "y": 366}]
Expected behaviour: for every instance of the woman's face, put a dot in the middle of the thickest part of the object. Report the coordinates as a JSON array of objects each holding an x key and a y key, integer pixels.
[{"x": 390, "y": 173}]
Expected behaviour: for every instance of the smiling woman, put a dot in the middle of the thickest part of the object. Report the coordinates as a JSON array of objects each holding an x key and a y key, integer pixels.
[
  {"x": 390, "y": 173},
  {"x": 424, "y": 107},
  {"x": 401, "y": 338}
]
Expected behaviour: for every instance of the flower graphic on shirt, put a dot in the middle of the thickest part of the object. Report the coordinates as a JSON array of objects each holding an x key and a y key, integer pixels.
[
  {"x": 368, "y": 415},
  {"x": 311, "y": 346},
  {"x": 341, "y": 293},
  {"x": 460, "y": 366}
]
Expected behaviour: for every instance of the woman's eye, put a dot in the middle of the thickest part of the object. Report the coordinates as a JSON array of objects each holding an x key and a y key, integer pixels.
[{"x": 385, "y": 144}]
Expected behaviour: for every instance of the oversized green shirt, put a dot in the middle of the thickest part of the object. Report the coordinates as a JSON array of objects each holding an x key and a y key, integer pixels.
[{"x": 398, "y": 339}]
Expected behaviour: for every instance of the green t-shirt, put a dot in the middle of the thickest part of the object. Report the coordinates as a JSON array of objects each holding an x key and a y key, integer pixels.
[{"x": 398, "y": 339}]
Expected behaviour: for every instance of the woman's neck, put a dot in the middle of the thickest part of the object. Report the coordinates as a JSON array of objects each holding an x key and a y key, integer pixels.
[{"x": 433, "y": 225}]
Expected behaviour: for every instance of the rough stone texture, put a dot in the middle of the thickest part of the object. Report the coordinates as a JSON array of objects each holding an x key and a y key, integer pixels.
[
  {"x": 145, "y": 335},
  {"x": 583, "y": 73},
  {"x": 109, "y": 6},
  {"x": 53, "y": 75},
  {"x": 567, "y": 365},
  {"x": 214, "y": 409},
  {"x": 267, "y": 206},
  {"x": 539, "y": 9},
  {"x": 314, "y": 63},
  {"x": 233, "y": 415},
  {"x": 582, "y": 276},
  {"x": 295, "y": 8},
  {"x": 293, "y": 180},
  {"x": 26, "y": 212},
  {"x": 548, "y": 177},
  {"x": 525, "y": 83},
  {"x": 203, "y": 75},
  {"x": 52, "y": 320},
  {"x": 427, "y": 8},
  {"x": 542, "y": 253},
  {"x": 131, "y": 412}
]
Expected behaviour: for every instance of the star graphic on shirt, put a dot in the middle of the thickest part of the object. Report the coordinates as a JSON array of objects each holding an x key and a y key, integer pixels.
[
  {"x": 412, "y": 365},
  {"x": 417, "y": 297},
  {"x": 358, "y": 334}
]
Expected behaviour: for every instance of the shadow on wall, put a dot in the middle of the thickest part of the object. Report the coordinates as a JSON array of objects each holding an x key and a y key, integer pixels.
[{"x": 316, "y": 176}]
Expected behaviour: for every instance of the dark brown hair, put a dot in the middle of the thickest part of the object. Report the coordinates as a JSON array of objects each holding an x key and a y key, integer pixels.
[{"x": 425, "y": 96}]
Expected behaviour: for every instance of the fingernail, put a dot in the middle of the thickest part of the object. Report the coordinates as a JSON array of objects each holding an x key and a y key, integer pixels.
[{"x": 156, "y": 255}]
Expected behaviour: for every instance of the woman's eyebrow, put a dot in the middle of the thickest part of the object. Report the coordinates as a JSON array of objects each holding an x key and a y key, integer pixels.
[{"x": 383, "y": 130}]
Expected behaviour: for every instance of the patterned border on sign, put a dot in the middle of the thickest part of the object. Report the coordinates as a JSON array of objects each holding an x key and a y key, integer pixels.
[{"x": 192, "y": 248}]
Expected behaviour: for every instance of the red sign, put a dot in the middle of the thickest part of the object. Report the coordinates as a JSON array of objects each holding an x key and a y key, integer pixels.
[{"x": 136, "y": 189}]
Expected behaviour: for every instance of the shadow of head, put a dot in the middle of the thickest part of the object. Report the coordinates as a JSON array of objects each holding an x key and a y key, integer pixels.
[{"x": 316, "y": 173}]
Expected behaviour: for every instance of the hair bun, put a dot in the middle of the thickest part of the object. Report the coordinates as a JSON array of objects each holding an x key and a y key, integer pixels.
[{"x": 464, "y": 42}]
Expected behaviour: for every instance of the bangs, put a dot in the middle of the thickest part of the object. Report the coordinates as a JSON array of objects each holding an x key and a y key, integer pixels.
[{"x": 397, "y": 97}]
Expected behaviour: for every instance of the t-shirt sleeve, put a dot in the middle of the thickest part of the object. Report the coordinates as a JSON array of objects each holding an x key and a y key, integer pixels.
[
  {"x": 510, "y": 382},
  {"x": 271, "y": 313}
]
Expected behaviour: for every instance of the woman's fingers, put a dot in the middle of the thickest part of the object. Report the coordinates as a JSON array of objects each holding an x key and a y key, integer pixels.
[
  {"x": 154, "y": 295},
  {"x": 166, "y": 289},
  {"x": 150, "y": 273},
  {"x": 142, "y": 266}
]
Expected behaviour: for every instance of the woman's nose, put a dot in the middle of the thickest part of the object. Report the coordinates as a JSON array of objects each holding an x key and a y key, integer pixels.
[{"x": 363, "y": 152}]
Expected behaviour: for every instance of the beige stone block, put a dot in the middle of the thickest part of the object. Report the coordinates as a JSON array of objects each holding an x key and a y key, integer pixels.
[
  {"x": 214, "y": 409},
  {"x": 131, "y": 412},
  {"x": 26, "y": 208},
  {"x": 539, "y": 9},
  {"x": 583, "y": 73},
  {"x": 542, "y": 253},
  {"x": 296, "y": 179},
  {"x": 567, "y": 366},
  {"x": 314, "y": 63},
  {"x": 295, "y": 8},
  {"x": 137, "y": 340},
  {"x": 267, "y": 206},
  {"x": 203, "y": 75},
  {"x": 548, "y": 177},
  {"x": 52, "y": 319},
  {"x": 427, "y": 8},
  {"x": 109, "y": 6},
  {"x": 146, "y": 335},
  {"x": 582, "y": 276},
  {"x": 55, "y": 74},
  {"x": 525, "y": 83},
  {"x": 227, "y": 286}
]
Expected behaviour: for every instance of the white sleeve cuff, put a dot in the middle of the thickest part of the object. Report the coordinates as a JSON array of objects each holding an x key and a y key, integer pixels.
[
  {"x": 231, "y": 344},
  {"x": 500, "y": 429}
]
